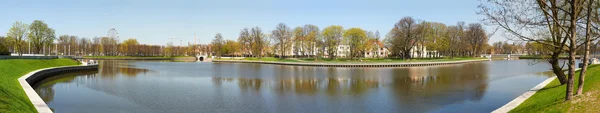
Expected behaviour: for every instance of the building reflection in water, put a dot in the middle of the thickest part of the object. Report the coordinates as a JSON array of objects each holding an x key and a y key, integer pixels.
[
  {"x": 273, "y": 87},
  {"x": 411, "y": 87}
]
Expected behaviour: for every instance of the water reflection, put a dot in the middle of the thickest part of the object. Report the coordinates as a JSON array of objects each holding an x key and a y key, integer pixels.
[
  {"x": 45, "y": 88},
  {"x": 227, "y": 87},
  {"x": 112, "y": 68},
  {"x": 412, "y": 87}
]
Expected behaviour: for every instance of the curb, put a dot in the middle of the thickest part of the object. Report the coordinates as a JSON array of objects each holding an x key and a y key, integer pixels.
[{"x": 31, "y": 78}]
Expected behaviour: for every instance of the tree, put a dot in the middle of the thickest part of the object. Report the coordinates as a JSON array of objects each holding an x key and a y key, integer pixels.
[
  {"x": 282, "y": 36},
  {"x": 557, "y": 18},
  {"x": 356, "y": 39},
  {"x": 299, "y": 40},
  {"x": 129, "y": 47},
  {"x": 4, "y": 46},
  {"x": 39, "y": 35},
  {"x": 332, "y": 34},
  {"x": 311, "y": 33},
  {"x": 586, "y": 55},
  {"x": 231, "y": 47},
  {"x": 218, "y": 45},
  {"x": 245, "y": 41},
  {"x": 434, "y": 37},
  {"x": 259, "y": 41},
  {"x": 402, "y": 37},
  {"x": 16, "y": 33},
  {"x": 476, "y": 38}
]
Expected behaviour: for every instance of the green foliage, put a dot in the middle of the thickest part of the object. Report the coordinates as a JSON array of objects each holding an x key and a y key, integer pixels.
[
  {"x": 332, "y": 34},
  {"x": 356, "y": 38},
  {"x": 4, "y": 46},
  {"x": 16, "y": 35},
  {"x": 217, "y": 45},
  {"x": 12, "y": 96},
  {"x": 129, "y": 47},
  {"x": 230, "y": 47},
  {"x": 40, "y": 35}
]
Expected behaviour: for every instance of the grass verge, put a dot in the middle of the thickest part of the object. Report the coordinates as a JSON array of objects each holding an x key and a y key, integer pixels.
[
  {"x": 551, "y": 97},
  {"x": 12, "y": 96}
]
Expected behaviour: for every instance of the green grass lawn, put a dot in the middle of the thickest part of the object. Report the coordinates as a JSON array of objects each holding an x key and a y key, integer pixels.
[
  {"x": 346, "y": 60},
  {"x": 12, "y": 96},
  {"x": 551, "y": 98}
]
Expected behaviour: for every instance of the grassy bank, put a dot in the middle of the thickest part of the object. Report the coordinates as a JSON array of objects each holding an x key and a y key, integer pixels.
[
  {"x": 346, "y": 60},
  {"x": 12, "y": 96},
  {"x": 551, "y": 98},
  {"x": 543, "y": 57}
]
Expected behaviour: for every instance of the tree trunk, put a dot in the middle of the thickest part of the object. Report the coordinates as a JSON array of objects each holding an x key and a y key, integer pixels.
[
  {"x": 558, "y": 71},
  {"x": 586, "y": 49},
  {"x": 572, "y": 49}
]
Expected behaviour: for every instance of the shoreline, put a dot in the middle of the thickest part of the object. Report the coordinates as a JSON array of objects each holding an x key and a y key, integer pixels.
[
  {"x": 140, "y": 58},
  {"x": 358, "y": 64},
  {"x": 30, "y": 79}
]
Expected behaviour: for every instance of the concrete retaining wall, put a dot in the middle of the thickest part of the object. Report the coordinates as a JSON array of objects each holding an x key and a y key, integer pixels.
[
  {"x": 28, "y": 57},
  {"x": 185, "y": 58},
  {"x": 166, "y": 58},
  {"x": 404, "y": 64},
  {"x": 32, "y": 78}
]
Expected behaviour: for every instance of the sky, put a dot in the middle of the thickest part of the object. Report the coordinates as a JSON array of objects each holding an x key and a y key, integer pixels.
[{"x": 155, "y": 21}]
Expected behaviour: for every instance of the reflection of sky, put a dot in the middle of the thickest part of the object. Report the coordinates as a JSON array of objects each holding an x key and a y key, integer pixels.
[{"x": 225, "y": 87}]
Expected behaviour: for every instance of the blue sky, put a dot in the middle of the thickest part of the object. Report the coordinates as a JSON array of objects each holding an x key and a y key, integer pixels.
[{"x": 155, "y": 21}]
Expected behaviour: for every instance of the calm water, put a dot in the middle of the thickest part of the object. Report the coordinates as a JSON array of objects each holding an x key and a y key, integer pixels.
[{"x": 121, "y": 86}]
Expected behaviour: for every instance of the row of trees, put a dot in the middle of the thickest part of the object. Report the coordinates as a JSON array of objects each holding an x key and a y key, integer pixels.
[
  {"x": 309, "y": 41},
  {"x": 560, "y": 27},
  {"x": 38, "y": 35},
  {"x": 456, "y": 40},
  {"x": 39, "y": 38}
]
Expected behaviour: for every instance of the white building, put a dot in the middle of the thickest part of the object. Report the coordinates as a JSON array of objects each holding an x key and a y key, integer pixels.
[
  {"x": 420, "y": 51},
  {"x": 379, "y": 51}
]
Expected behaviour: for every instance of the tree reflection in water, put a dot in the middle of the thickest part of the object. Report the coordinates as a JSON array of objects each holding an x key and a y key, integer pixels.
[
  {"x": 412, "y": 87},
  {"x": 107, "y": 69},
  {"x": 112, "y": 68},
  {"x": 44, "y": 87}
]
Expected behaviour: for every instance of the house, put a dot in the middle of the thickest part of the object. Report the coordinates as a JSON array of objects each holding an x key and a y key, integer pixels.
[
  {"x": 420, "y": 51},
  {"x": 377, "y": 50}
]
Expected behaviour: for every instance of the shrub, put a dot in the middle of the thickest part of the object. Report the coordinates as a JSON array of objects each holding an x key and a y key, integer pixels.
[{"x": 3, "y": 46}]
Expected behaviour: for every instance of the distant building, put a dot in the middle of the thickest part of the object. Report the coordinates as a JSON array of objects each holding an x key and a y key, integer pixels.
[
  {"x": 420, "y": 51},
  {"x": 378, "y": 50}
]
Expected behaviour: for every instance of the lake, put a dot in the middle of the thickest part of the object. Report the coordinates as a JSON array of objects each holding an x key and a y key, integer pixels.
[{"x": 162, "y": 86}]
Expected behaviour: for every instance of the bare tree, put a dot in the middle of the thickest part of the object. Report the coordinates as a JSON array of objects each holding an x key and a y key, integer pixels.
[
  {"x": 282, "y": 36},
  {"x": 402, "y": 37},
  {"x": 258, "y": 41},
  {"x": 245, "y": 41},
  {"x": 522, "y": 19},
  {"x": 476, "y": 37},
  {"x": 588, "y": 33}
]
